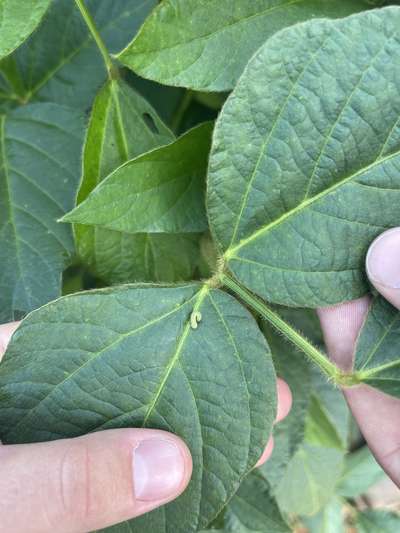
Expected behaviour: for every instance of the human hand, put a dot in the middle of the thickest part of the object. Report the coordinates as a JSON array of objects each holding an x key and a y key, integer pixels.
[
  {"x": 91, "y": 482},
  {"x": 377, "y": 414},
  {"x": 82, "y": 484}
]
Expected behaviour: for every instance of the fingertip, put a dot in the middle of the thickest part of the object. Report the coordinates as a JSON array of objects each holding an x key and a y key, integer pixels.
[
  {"x": 383, "y": 265},
  {"x": 6, "y": 332},
  {"x": 266, "y": 453},
  {"x": 285, "y": 400}
]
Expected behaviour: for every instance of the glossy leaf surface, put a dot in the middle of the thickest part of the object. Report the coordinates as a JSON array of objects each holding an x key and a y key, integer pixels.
[
  {"x": 129, "y": 357},
  {"x": 159, "y": 192},
  {"x": 40, "y": 147},
  {"x": 305, "y": 166},
  {"x": 211, "y": 51}
]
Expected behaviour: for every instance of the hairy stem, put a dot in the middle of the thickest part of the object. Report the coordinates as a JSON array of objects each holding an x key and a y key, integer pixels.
[
  {"x": 96, "y": 36},
  {"x": 290, "y": 333}
]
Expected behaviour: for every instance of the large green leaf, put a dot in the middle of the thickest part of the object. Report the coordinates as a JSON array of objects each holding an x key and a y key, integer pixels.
[
  {"x": 125, "y": 126},
  {"x": 161, "y": 191},
  {"x": 205, "y": 44},
  {"x": 40, "y": 147},
  {"x": 374, "y": 521},
  {"x": 305, "y": 166},
  {"x": 377, "y": 358},
  {"x": 18, "y": 20},
  {"x": 61, "y": 63},
  {"x": 132, "y": 357}
]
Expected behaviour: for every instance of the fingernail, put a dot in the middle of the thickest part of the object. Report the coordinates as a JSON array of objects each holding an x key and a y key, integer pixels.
[
  {"x": 383, "y": 259},
  {"x": 158, "y": 469}
]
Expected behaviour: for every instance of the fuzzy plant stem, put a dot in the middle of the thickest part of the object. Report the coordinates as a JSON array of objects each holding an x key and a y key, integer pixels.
[{"x": 328, "y": 368}]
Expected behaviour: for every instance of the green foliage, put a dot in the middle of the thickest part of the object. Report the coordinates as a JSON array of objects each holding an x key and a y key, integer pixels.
[
  {"x": 378, "y": 522},
  {"x": 199, "y": 55},
  {"x": 279, "y": 202},
  {"x": 17, "y": 22},
  {"x": 125, "y": 355}
]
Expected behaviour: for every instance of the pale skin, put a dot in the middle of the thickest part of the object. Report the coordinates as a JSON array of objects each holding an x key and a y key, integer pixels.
[{"x": 91, "y": 482}]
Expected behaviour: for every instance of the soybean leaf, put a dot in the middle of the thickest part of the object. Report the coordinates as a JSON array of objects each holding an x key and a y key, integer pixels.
[
  {"x": 305, "y": 166},
  {"x": 131, "y": 357},
  {"x": 373, "y": 521},
  {"x": 319, "y": 428},
  {"x": 17, "y": 22},
  {"x": 377, "y": 358},
  {"x": 211, "y": 52},
  {"x": 125, "y": 125},
  {"x": 309, "y": 481},
  {"x": 40, "y": 146},
  {"x": 253, "y": 510},
  {"x": 61, "y": 63},
  {"x": 159, "y": 192},
  {"x": 361, "y": 471},
  {"x": 329, "y": 520}
]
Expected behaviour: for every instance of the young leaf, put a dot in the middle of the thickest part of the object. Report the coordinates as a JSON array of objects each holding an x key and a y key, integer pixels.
[
  {"x": 305, "y": 166},
  {"x": 374, "y": 521},
  {"x": 377, "y": 358},
  {"x": 211, "y": 51},
  {"x": 125, "y": 126},
  {"x": 159, "y": 192},
  {"x": 40, "y": 147},
  {"x": 70, "y": 70},
  {"x": 129, "y": 357},
  {"x": 17, "y": 22},
  {"x": 253, "y": 510}
]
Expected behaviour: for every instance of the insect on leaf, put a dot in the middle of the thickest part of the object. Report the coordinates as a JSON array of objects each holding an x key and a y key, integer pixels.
[{"x": 128, "y": 357}]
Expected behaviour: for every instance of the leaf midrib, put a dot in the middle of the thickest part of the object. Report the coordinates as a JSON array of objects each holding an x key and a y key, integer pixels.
[
  {"x": 232, "y": 251},
  {"x": 98, "y": 354},
  {"x": 218, "y": 30}
]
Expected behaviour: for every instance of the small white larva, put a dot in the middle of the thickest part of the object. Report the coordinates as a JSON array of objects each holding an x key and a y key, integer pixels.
[{"x": 195, "y": 318}]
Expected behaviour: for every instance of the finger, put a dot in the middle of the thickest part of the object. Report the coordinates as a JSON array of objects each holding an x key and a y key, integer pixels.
[
  {"x": 284, "y": 400},
  {"x": 6, "y": 331},
  {"x": 341, "y": 325},
  {"x": 383, "y": 265},
  {"x": 90, "y": 482},
  {"x": 377, "y": 414},
  {"x": 266, "y": 453}
]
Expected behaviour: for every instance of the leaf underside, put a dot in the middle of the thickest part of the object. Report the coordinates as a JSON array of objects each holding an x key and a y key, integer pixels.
[
  {"x": 305, "y": 165},
  {"x": 128, "y": 357},
  {"x": 211, "y": 52}
]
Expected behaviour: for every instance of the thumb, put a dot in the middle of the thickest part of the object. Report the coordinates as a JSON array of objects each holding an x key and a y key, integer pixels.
[
  {"x": 383, "y": 265},
  {"x": 91, "y": 482}
]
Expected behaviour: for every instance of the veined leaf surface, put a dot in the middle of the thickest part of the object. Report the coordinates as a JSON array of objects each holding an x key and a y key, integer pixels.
[
  {"x": 61, "y": 63},
  {"x": 40, "y": 147},
  {"x": 377, "y": 357},
  {"x": 161, "y": 191},
  {"x": 17, "y": 22},
  {"x": 205, "y": 44},
  {"x": 129, "y": 357},
  {"x": 305, "y": 166},
  {"x": 125, "y": 126}
]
